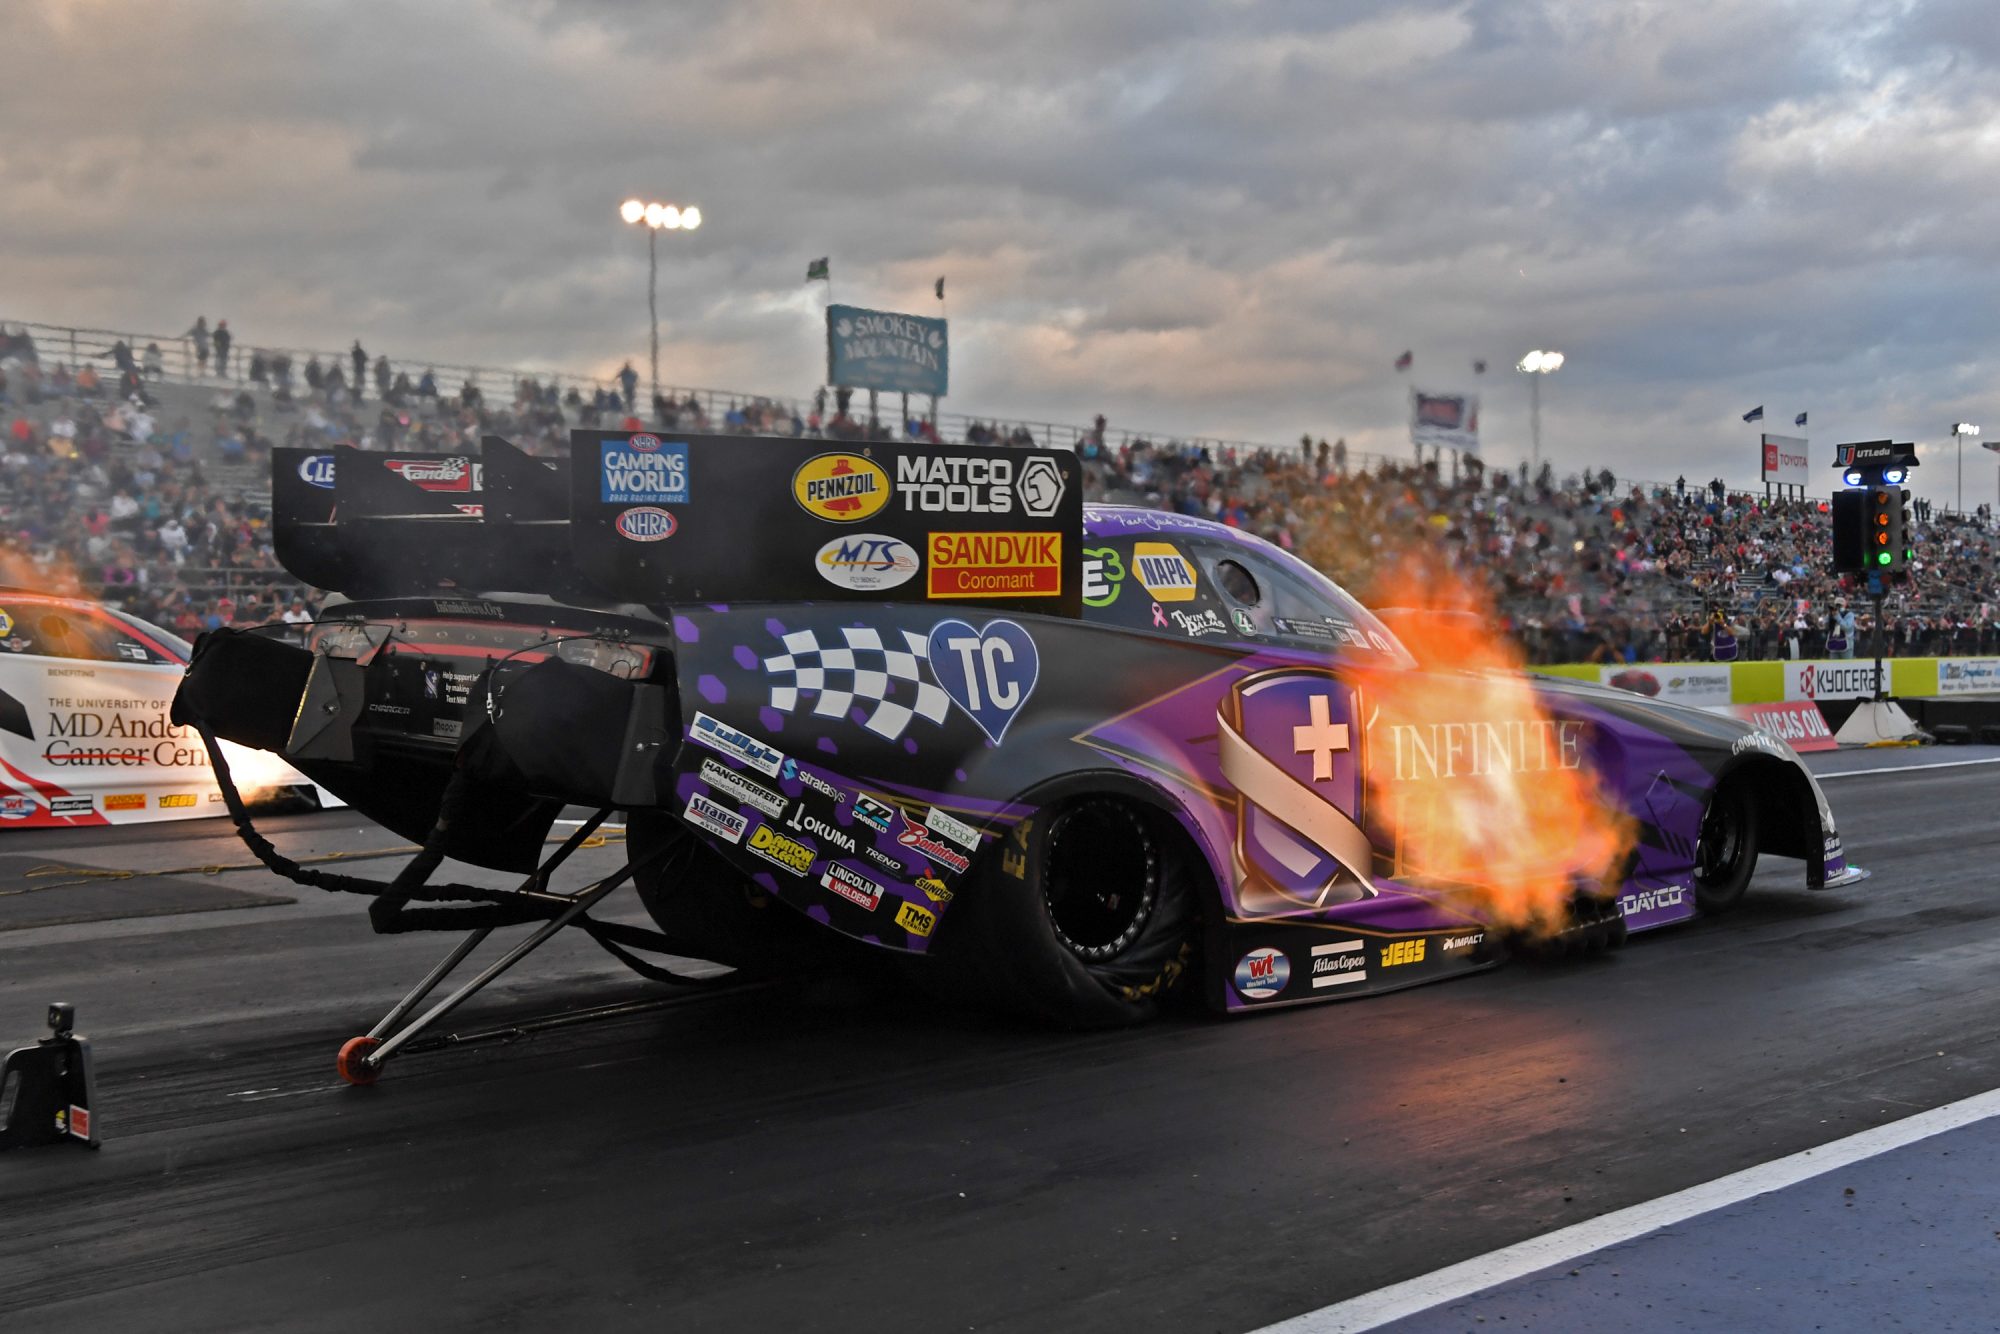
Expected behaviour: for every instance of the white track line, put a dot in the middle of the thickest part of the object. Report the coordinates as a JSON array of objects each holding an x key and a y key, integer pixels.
[
  {"x": 1903, "y": 768},
  {"x": 1373, "y": 1309}
]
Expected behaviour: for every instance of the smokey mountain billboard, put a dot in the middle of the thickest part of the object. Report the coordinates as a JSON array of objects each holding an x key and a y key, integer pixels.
[
  {"x": 878, "y": 349},
  {"x": 1449, "y": 420},
  {"x": 1784, "y": 460}
]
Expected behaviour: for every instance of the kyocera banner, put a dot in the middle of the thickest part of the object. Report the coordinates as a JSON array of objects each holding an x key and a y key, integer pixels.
[
  {"x": 1784, "y": 460},
  {"x": 1837, "y": 678},
  {"x": 878, "y": 349}
]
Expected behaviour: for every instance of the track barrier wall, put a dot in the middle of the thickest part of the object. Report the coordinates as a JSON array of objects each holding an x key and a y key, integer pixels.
[{"x": 1823, "y": 680}]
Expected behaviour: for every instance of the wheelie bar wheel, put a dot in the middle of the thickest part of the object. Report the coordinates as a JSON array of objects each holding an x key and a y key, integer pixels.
[{"x": 351, "y": 1063}]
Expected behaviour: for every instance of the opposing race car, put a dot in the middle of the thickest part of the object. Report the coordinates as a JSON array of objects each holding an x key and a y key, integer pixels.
[
  {"x": 84, "y": 734},
  {"x": 922, "y": 699}
]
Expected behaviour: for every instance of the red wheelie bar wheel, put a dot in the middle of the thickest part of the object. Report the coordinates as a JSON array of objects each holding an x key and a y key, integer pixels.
[{"x": 350, "y": 1064}]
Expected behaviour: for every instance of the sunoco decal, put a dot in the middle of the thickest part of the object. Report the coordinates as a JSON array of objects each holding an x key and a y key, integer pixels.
[
  {"x": 646, "y": 523},
  {"x": 1262, "y": 974},
  {"x": 840, "y": 488},
  {"x": 867, "y": 562},
  {"x": 718, "y": 735},
  {"x": 642, "y": 471}
]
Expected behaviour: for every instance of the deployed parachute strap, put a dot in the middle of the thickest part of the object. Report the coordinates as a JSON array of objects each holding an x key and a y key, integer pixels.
[{"x": 481, "y": 908}]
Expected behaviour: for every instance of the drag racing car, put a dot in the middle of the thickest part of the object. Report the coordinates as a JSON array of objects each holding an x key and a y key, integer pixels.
[
  {"x": 922, "y": 701},
  {"x": 84, "y": 733}
]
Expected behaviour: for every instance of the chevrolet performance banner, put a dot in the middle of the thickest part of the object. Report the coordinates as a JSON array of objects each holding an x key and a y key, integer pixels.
[{"x": 877, "y": 349}]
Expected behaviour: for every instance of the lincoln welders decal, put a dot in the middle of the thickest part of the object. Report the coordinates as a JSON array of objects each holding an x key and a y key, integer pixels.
[{"x": 1289, "y": 744}]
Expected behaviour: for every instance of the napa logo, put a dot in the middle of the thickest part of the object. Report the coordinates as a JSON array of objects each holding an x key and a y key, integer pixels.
[
  {"x": 647, "y": 523},
  {"x": 840, "y": 488},
  {"x": 1262, "y": 974},
  {"x": 867, "y": 562},
  {"x": 317, "y": 470}
]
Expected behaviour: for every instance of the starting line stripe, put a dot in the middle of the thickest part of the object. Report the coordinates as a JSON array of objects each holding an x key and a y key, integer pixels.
[
  {"x": 1904, "y": 768},
  {"x": 1371, "y": 1310}
]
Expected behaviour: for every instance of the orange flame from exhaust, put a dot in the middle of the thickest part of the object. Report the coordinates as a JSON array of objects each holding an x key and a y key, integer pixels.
[
  {"x": 1485, "y": 796},
  {"x": 55, "y": 576}
]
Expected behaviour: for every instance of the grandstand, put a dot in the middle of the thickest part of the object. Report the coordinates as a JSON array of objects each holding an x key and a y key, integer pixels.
[{"x": 139, "y": 468}]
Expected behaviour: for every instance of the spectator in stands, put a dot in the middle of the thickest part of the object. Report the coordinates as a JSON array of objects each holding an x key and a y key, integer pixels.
[
  {"x": 223, "y": 338},
  {"x": 630, "y": 379},
  {"x": 315, "y": 375},
  {"x": 198, "y": 335},
  {"x": 360, "y": 360},
  {"x": 384, "y": 377},
  {"x": 156, "y": 361},
  {"x": 428, "y": 386}
]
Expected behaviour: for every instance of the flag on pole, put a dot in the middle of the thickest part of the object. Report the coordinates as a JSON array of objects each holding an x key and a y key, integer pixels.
[
  {"x": 1755, "y": 414},
  {"x": 817, "y": 271},
  {"x": 940, "y": 289},
  {"x": 1403, "y": 362},
  {"x": 1799, "y": 420},
  {"x": 1479, "y": 366}
]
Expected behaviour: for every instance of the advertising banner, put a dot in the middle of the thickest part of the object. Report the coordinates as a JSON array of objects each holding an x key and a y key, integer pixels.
[
  {"x": 1798, "y": 724},
  {"x": 1705, "y": 685},
  {"x": 1448, "y": 420},
  {"x": 1784, "y": 460},
  {"x": 1968, "y": 676},
  {"x": 1835, "y": 678},
  {"x": 878, "y": 349}
]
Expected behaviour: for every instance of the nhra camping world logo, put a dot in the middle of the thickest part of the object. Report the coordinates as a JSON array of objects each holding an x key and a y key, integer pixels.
[{"x": 1290, "y": 744}]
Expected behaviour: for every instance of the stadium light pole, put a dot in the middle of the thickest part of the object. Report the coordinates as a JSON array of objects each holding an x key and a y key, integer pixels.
[
  {"x": 657, "y": 218},
  {"x": 1535, "y": 365},
  {"x": 1959, "y": 431}
]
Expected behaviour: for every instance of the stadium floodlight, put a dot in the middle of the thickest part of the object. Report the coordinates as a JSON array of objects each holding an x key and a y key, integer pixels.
[
  {"x": 1960, "y": 430},
  {"x": 656, "y": 218},
  {"x": 1535, "y": 365}
]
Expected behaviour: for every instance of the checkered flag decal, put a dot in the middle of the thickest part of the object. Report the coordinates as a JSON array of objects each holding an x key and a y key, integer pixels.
[{"x": 862, "y": 671}]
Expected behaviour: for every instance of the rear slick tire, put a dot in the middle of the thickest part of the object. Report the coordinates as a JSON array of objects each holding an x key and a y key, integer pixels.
[{"x": 1083, "y": 917}]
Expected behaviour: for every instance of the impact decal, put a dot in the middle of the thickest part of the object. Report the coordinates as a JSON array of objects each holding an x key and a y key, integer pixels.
[
  {"x": 646, "y": 523},
  {"x": 642, "y": 471},
  {"x": 720, "y": 736},
  {"x": 789, "y": 853},
  {"x": 317, "y": 470},
  {"x": 1262, "y": 974},
  {"x": 918, "y": 839},
  {"x": 1340, "y": 963},
  {"x": 719, "y": 820},
  {"x": 995, "y": 565},
  {"x": 1039, "y": 487},
  {"x": 867, "y": 562},
  {"x": 1470, "y": 941},
  {"x": 851, "y": 885},
  {"x": 917, "y": 921},
  {"x": 1103, "y": 576},
  {"x": 732, "y": 784},
  {"x": 989, "y": 673},
  {"x": 860, "y": 670},
  {"x": 840, "y": 488},
  {"x": 1166, "y": 573}
]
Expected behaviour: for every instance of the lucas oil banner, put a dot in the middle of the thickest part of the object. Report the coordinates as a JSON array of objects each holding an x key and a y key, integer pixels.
[{"x": 877, "y": 349}]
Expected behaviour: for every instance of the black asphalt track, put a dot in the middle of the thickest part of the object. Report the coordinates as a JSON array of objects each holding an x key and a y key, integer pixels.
[{"x": 843, "y": 1158}]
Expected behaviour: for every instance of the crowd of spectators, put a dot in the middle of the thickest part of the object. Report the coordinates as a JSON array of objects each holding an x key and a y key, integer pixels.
[{"x": 163, "y": 506}]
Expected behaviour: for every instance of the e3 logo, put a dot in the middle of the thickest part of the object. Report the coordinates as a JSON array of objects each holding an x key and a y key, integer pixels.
[{"x": 1103, "y": 576}]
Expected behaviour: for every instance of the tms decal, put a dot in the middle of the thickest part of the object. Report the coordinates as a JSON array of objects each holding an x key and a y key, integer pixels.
[{"x": 917, "y": 921}]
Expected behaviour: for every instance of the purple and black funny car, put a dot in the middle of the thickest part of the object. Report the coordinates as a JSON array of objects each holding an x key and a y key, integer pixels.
[{"x": 918, "y": 700}]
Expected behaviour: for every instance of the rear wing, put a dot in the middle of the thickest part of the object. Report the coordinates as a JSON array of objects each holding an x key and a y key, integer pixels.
[{"x": 670, "y": 518}]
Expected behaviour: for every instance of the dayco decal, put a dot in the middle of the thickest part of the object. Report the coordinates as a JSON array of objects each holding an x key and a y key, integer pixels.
[
  {"x": 774, "y": 847},
  {"x": 917, "y": 921},
  {"x": 812, "y": 824},
  {"x": 934, "y": 889},
  {"x": 642, "y": 471},
  {"x": 840, "y": 488},
  {"x": 1338, "y": 964},
  {"x": 1646, "y": 900},
  {"x": 1399, "y": 952},
  {"x": 920, "y": 840},
  {"x": 996, "y": 565},
  {"x": 1453, "y": 750},
  {"x": 717, "y": 735},
  {"x": 1164, "y": 571},
  {"x": 956, "y": 484},
  {"x": 1262, "y": 974},
  {"x": 717, "y": 819},
  {"x": 867, "y": 562},
  {"x": 730, "y": 783},
  {"x": 851, "y": 885}
]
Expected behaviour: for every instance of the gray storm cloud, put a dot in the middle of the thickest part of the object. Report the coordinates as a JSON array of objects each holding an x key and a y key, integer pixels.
[{"x": 1226, "y": 219}]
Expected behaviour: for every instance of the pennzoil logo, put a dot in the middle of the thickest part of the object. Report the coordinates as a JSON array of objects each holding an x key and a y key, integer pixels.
[
  {"x": 840, "y": 488},
  {"x": 774, "y": 847},
  {"x": 917, "y": 921}
]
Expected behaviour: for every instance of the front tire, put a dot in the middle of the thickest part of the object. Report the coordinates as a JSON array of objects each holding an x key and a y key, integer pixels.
[
  {"x": 1083, "y": 917},
  {"x": 1725, "y": 855}
]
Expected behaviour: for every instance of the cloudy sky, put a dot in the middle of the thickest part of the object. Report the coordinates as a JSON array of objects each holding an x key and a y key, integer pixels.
[{"x": 1225, "y": 218}]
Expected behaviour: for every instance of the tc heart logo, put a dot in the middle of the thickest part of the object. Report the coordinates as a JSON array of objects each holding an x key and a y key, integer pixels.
[{"x": 988, "y": 673}]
